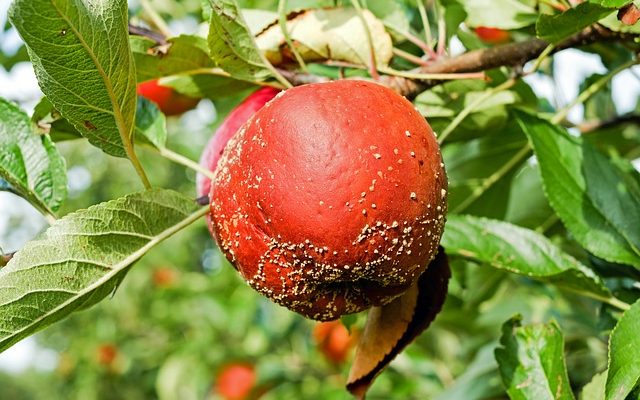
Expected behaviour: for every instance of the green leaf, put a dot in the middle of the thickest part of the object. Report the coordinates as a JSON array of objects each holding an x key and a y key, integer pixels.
[
  {"x": 80, "y": 53},
  {"x": 30, "y": 162},
  {"x": 595, "y": 389},
  {"x": 595, "y": 199},
  {"x": 480, "y": 171},
  {"x": 531, "y": 361},
  {"x": 182, "y": 55},
  {"x": 518, "y": 250},
  {"x": 151, "y": 124},
  {"x": 624, "y": 355},
  {"x": 231, "y": 44},
  {"x": 503, "y": 14},
  {"x": 393, "y": 14},
  {"x": 611, "y": 3},
  {"x": 554, "y": 28},
  {"x": 206, "y": 84},
  {"x": 49, "y": 120},
  {"x": 82, "y": 257}
]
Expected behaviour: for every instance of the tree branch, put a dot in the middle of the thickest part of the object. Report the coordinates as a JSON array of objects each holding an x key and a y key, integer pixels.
[
  {"x": 591, "y": 126},
  {"x": 510, "y": 55}
]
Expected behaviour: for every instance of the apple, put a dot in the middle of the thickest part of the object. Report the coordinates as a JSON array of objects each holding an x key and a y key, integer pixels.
[
  {"x": 331, "y": 199},
  {"x": 333, "y": 341},
  {"x": 236, "y": 118},
  {"x": 166, "y": 98},
  {"x": 236, "y": 381},
  {"x": 492, "y": 35}
]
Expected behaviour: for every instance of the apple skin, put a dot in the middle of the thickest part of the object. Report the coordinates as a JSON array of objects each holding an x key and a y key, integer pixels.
[
  {"x": 236, "y": 381},
  {"x": 167, "y": 99},
  {"x": 333, "y": 341},
  {"x": 236, "y": 118},
  {"x": 492, "y": 35},
  {"x": 331, "y": 199}
]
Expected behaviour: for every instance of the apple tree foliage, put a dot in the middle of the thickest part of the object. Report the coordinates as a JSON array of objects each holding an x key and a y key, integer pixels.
[{"x": 543, "y": 232}]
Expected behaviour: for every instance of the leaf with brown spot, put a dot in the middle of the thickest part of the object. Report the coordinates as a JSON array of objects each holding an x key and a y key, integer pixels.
[
  {"x": 629, "y": 14},
  {"x": 391, "y": 328},
  {"x": 327, "y": 34}
]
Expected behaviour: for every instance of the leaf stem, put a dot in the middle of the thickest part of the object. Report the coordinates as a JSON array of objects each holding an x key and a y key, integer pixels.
[
  {"x": 184, "y": 161},
  {"x": 409, "y": 57},
  {"x": 128, "y": 148},
  {"x": 495, "y": 177},
  {"x": 282, "y": 20},
  {"x": 155, "y": 18},
  {"x": 372, "y": 52},
  {"x": 425, "y": 21},
  {"x": 429, "y": 77},
  {"x": 442, "y": 31},
  {"x": 561, "y": 115},
  {"x": 472, "y": 106}
]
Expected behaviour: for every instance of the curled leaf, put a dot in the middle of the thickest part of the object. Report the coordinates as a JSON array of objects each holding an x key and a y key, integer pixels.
[
  {"x": 391, "y": 328},
  {"x": 328, "y": 34}
]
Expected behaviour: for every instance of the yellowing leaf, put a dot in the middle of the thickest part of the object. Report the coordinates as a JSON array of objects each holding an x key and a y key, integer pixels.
[{"x": 328, "y": 34}]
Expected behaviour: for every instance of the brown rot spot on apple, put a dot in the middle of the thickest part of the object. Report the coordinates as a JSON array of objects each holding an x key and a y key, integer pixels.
[{"x": 310, "y": 148}]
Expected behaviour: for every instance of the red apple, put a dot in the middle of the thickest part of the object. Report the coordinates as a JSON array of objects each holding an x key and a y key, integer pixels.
[
  {"x": 231, "y": 124},
  {"x": 167, "y": 99},
  {"x": 333, "y": 340},
  {"x": 332, "y": 198},
  {"x": 236, "y": 381},
  {"x": 492, "y": 35},
  {"x": 164, "y": 277},
  {"x": 106, "y": 354}
]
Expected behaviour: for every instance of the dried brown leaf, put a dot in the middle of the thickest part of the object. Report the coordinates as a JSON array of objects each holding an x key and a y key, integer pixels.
[{"x": 389, "y": 329}]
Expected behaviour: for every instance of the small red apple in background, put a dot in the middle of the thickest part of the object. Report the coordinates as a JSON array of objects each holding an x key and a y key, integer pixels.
[
  {"x": 236, "y": 118},
  {"x": 236, "y": 381},
  {"x": 333, "y": 340},
  {"x": 331, "y": 199},
  {"x": 492, "y": 35},
  {"x": 164, "y": 277},
  {"x": 106, "y": 354},
  {"x": 167, "y": 99}
]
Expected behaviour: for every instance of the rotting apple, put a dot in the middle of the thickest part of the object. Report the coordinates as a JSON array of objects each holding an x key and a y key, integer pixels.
[
  {"x": 492, "y": 35},
  {"x": 333, "y": 340},
  {"x": 236, "y": 381},
  {"x": 332, "y": 198},
  {"x": 166, "y": 98}
]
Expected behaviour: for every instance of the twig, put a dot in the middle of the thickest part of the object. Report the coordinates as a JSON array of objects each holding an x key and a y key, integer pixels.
[
  {"x": 590, "y": 91},
  {"x": 148, "y": 33},
  {"x": 590, "y": 126}
]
